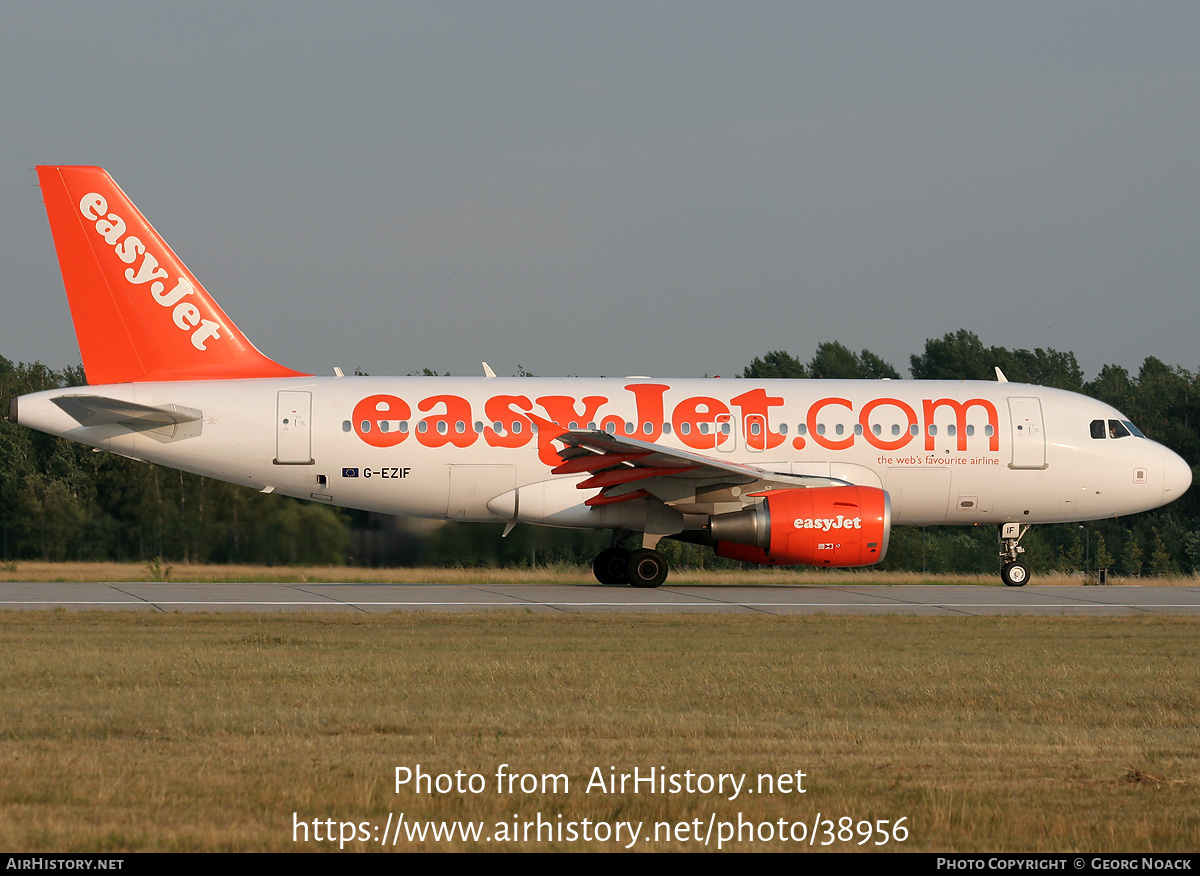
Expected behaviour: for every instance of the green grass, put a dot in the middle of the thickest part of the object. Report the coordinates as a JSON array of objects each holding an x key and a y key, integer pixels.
[
  {"x": 197, "y": 732},
  {"x": 558, "y": 574}
]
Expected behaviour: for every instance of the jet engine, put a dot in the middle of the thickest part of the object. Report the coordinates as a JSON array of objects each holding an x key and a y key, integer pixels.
[{"x": 819, "y": 526}]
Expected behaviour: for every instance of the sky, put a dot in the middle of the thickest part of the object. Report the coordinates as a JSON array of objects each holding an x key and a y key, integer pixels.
[{"x": 617, "y": 188}]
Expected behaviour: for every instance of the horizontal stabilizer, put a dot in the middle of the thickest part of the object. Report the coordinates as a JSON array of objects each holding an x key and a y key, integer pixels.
[{"x": 96, "y": 410}]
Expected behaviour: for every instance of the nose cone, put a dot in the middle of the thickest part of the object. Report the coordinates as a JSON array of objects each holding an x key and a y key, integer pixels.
[{"x": 1177, "y": 476}]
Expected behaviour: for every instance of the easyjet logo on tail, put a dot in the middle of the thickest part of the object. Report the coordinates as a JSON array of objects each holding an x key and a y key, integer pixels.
[{"x": 128, "y": 248}]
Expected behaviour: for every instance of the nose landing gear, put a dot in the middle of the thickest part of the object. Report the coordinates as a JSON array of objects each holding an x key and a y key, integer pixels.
[{"x": 1013, "y": 572}]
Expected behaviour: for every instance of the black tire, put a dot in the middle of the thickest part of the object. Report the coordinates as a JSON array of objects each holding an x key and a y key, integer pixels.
[
  {"x": 609, "y": 567},
  {"x": 1014, "y": 574},
  {"x": 646, "y": 568}
]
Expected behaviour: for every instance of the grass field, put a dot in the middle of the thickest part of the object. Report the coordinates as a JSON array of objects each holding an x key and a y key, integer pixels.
[
  {"x": 188, "y": 572},
  {"x": 201, "y": 732}
]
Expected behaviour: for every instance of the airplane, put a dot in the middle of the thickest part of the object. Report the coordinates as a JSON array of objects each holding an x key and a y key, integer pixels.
[{"x": 773, "y": 472}]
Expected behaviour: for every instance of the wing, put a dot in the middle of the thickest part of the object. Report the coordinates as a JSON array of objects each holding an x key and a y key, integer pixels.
[{"x": 624, "y": 468}]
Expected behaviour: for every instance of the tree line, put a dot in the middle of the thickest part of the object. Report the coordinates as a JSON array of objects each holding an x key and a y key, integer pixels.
[{"x": 60, "y": 500}]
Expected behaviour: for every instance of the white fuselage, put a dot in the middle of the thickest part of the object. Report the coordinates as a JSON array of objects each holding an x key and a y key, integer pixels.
[{"x": 957, "y": 452}]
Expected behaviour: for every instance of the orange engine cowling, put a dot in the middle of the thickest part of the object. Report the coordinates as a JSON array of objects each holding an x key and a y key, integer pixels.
[{"x": 819, "y": 526}]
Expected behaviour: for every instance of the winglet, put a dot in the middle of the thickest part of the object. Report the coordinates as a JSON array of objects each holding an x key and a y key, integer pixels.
[
  {"x": 139, "y": 313},
  {"x": 547, "y": 429},
  {"x": 1000, "y": 378},
  {"x": 548, "y": 432}
]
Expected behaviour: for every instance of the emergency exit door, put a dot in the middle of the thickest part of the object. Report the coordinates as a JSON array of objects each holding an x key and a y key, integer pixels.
[
  {"x": 1028, "y": 435},
  {"x": 293, "y": 428}
]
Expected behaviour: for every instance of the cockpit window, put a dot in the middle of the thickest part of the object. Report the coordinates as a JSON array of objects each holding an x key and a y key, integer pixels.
[{"x": 1114, "y": 429}]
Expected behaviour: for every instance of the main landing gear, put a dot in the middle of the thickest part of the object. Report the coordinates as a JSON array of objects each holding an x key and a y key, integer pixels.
[
  {"x": 1012, "y": 572},
  {"x": 609, "y": 566},
  {"x": 644, "y": 567}
]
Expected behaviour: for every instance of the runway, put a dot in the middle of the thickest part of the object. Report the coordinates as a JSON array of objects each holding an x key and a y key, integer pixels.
[{"x": 926, "y": 600}]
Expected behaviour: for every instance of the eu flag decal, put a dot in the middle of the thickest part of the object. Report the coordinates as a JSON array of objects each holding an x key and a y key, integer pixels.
[{"x": 349, "y": 472}]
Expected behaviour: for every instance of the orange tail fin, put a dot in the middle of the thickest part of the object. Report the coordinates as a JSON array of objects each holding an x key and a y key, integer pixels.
[{"x": 139, "y": 313}]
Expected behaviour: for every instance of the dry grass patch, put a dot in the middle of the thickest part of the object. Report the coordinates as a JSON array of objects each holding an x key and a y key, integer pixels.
[
  {"x": 197, "y": 732},
  {"x": 201, "y": 573}
]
